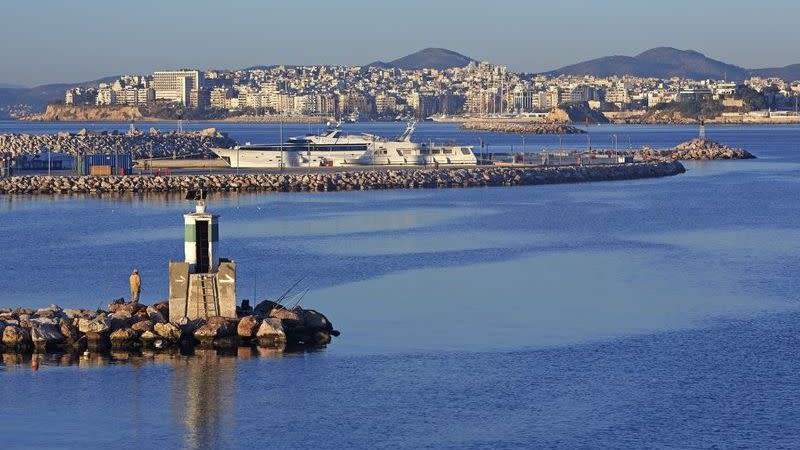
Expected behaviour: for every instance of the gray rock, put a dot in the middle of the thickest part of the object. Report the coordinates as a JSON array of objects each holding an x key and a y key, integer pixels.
[
  {"x": 271, "y": 333},
  {"x": 46, "y": 335},
  {"x": 98, "y": 325},
  {"x": 168, "y": 331}
]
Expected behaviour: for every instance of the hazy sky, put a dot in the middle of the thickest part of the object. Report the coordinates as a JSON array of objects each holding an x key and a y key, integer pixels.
[{"x": 44, "y": 41}]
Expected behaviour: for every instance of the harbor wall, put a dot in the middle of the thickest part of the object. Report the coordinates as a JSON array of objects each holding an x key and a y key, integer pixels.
[{"x": 373, "y": 179}]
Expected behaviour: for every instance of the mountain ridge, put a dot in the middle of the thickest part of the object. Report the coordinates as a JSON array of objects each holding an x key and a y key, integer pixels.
[{"x": 668, "y": 62}]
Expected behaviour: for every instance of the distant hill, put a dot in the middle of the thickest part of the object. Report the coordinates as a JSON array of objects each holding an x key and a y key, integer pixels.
[
  {"x": 667, "y": 62},
  {"x": 38, "y": 97},
  {"x": 429, "y": 58},
  {"x": 789, "y": 73}
]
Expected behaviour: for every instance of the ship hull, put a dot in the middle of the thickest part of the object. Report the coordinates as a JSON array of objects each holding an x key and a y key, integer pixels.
[{"x": 257, "y": 159}]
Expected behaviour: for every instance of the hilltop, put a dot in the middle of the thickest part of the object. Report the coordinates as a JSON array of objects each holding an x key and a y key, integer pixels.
[
  {"x": 429, "y": 58},
  {"x": 667, "y": 62}
]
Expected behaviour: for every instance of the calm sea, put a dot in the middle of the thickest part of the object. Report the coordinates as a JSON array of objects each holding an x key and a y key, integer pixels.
[{"x": 647, "y": 313}]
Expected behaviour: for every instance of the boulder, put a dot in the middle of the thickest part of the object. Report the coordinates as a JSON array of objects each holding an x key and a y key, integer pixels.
[
  {"x": 46, "y": 335},
  {"x": 271, "y": 333},
  {"x": 120, "y": 319},
  {"x": 264, "y": 308},
  {"x": 68, "y": 330},
  {"x": 163, "y": 308},
  {"x": 133, "y": 308},
  {"x": 73, "y": 313},
  {"x": 248, "y": 326},
  {"x": 142, "y": 326},
  {"x": 287, "y": 318},
  {"x": 98, "y": 325},
  {"x": 148, "y": 338},
  {"x": 43, "y": 320},
  {"x": 316, "y": 320},
  {"x": 16, "y": 337},
  {"x": 52, "y": 311},
  {"x": 155, "y": 315},
  {"x": 123, "y": 338},
  {"x": 188, "y": 327},
  {"x": 215, "y": 327},
  {"x": 168, "y": 331},
  {"x": 115, "y": 305}
]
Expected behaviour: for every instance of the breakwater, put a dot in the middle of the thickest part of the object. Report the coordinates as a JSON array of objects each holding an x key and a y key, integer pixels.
[
  {"x": 698, "y": 149},
  {"x": 372, "y": 179},
  {"x": 152, "y": 144},
  {"x": 529, "y": 127},
  {"x": 131, "y": 326}
]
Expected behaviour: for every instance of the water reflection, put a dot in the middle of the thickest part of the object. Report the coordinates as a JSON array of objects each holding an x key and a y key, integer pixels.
[{"x": 202, "y": 396}]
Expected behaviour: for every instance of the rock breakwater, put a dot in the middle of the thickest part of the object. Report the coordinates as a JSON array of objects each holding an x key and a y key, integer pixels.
[
  {"x": 503, "y": 126},
  {"x": 698, "y": 149},
  {"x": 152, "y": 144},
  {"x": 341, "y": 181},
  {"x": 131, "y": 326}
]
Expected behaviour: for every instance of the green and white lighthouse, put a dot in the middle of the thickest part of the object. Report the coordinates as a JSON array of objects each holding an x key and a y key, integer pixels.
[
  {"x": 203, "y": 285},
  {"x": 201, "y": 240}
]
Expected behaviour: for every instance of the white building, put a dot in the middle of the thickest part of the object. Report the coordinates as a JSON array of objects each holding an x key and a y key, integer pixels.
[{"x": 177, "y": 85}]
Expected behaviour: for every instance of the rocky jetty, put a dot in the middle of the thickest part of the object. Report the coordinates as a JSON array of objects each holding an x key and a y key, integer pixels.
[
  {"x": 139, "y": 144},
  {"x": 341, "y": 181},
  {"x": 132, "y": 326},
  {"x": 529, "y": 127},
  {"x": 698, "y": 149}
]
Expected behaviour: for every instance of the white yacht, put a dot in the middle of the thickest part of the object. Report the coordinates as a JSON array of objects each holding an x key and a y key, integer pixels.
[{"x": 332, "y": 148}]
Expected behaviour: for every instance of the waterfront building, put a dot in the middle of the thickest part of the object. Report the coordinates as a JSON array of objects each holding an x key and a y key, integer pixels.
[
  {"x": 177, "y": 85},
  {"x": 219, "y": 96},
  {"x": 105, "y": 95},
  {"x": 79, "y": 96}
]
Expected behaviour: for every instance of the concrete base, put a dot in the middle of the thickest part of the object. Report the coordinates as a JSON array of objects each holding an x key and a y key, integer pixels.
[{"x": 186, "y": 300}]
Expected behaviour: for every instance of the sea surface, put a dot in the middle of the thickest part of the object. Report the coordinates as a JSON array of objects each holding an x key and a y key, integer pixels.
[{"x": 658, "y": 313}]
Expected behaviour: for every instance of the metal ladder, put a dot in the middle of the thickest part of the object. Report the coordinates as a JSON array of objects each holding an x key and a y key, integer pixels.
[{"x": 208, "y": 296}]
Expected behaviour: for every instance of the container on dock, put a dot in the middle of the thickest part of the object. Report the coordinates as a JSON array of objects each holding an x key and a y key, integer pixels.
[
  {"x": 98, "y": 170},
  {"x": 115, "y": 163}
]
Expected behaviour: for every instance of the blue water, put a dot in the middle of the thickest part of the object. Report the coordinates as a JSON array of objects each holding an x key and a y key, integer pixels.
[{"x": 645, "y": 313}]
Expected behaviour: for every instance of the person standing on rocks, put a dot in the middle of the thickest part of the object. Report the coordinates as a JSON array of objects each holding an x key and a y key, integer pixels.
[{"x": 136, "y": 286}]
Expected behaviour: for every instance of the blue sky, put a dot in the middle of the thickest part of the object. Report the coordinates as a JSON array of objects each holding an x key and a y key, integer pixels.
[{"x": 46, "y": 41}]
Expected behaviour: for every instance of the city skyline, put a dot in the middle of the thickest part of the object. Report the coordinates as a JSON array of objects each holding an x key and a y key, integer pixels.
[{"x": 57, "y": 42}]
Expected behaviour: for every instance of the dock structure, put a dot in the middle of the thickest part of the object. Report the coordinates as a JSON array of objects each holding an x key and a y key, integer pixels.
[{"x": 203, "y": 285}]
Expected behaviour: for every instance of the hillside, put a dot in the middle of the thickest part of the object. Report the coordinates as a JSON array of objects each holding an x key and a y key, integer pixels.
[
  {"x": 667, "y": 62},
  {"x": 430, "y": 58},
  {"x": 38, "y": 97}
]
